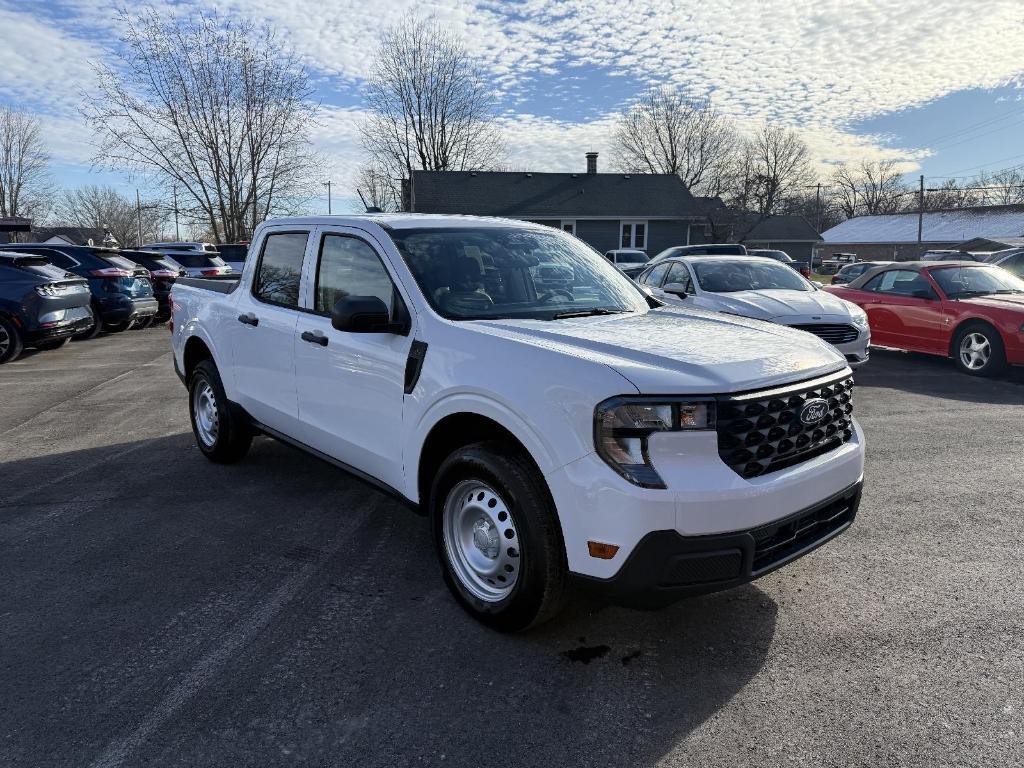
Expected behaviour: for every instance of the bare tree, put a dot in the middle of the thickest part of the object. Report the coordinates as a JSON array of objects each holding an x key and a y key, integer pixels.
[
  {"x": 376, "y": 188},
  {"x": 95, "y": 207},
  {"x": 1004, "y": 187},
  {"x": 871, "y": 187},
  {"x": 24, "y": 165},
  {"x": 219, "y": 108},
  {"x": 769, "y": 167},
  {"x": 430, "y": 107},
  {"x": 667, "y": 132},
  {"x": 949, "y": 195}
]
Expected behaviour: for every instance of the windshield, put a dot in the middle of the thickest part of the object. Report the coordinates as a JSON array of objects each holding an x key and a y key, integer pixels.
[
  {"x": 485, "y": 273},
  {"x": 632, "y": 257},
  {"x": 731, "y": 276},
  {"x": 777, "y": 255},
  {"x": 958, "y": 282}
]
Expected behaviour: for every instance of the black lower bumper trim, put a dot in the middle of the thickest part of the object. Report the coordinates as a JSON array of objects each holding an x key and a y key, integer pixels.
[{"x": 666, "y": 566}]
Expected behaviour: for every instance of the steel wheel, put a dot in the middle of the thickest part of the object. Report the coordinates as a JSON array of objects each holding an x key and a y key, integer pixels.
[
  {"x": 975, "y": 351},
  {"x": 481, "y": 541},
  {"x": 204, "y": 408}
]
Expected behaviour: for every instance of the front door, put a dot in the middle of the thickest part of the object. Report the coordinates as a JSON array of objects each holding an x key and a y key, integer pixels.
[
  {"x": 901, "y": 318},
  {"x": 261, "y": 332},
  {"x": 351, "y": 385}
]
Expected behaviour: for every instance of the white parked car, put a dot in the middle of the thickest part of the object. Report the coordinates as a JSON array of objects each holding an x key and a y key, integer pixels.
[
  {"x": 755, "y": 287},
  {"x": 555, "y": 423}
]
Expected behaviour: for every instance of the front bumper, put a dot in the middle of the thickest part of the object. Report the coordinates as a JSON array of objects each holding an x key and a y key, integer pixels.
[
  {"x": 856, "y": 351},
  {"x": 666, "y": 566}
]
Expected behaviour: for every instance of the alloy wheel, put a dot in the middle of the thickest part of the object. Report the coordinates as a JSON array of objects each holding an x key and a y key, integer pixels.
[
  {"x": 5, "y": 341},
  {"x": 975, "y": 351},
  {"x": 481, "y": 540}
]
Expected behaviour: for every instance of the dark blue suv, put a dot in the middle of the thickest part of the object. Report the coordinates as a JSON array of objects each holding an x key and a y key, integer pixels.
[{"x": 122, "y": 292}]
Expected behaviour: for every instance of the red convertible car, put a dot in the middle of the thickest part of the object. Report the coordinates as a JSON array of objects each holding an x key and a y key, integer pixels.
[{"x": 971, "y": 312}]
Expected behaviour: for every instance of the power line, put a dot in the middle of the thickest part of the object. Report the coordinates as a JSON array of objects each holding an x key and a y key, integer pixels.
[{"x": 973, "y": 126}]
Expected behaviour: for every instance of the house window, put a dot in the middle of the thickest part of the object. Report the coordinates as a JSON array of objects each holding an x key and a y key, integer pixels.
[
  {"x": 569, "y": 226},
  {"x": 634, "y": 235}
]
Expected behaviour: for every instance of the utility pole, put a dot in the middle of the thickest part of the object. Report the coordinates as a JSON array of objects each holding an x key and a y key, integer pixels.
[
  {"x": 920, "y": 211},
  {"x": 817, "y": 209},
  {"x": 138, "y": 216},
  {"x": 177, "y": 232},
  {"x": 328, "y": 185}
]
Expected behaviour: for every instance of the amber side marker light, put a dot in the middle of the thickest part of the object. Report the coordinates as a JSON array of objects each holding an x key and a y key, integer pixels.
[{"x": 602, "y": 551}]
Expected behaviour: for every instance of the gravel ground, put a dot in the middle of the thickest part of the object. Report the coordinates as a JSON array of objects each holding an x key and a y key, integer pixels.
[{"x": 156, "y": 609}]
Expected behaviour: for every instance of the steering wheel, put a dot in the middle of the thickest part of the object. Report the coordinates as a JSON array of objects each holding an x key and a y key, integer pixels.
[{"x": 549, "y": 295}]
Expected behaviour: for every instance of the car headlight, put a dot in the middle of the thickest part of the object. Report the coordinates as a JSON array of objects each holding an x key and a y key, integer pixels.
[
  {"x": 623, "y": 425},
  {"x": 860, "y": 320}
]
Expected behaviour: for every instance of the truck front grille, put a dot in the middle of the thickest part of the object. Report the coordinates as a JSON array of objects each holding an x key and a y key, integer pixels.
[
  {"x": 761, "y": 432},
  {"x": 831, "y": 332}
]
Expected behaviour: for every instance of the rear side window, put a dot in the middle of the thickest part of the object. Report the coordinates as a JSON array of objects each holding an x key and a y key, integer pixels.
[
  {"x": 350, "y": 267},
  {"x": 900, "y": 281},
  {"x": 280, "y": 270}
]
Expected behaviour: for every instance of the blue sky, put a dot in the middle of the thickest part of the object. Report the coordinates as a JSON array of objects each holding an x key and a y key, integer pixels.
[{"x": 933, "y": 84}]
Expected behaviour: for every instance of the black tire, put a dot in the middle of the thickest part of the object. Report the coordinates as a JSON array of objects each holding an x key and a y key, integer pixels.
[
  {"x": 542, "y": 583},
  {"x": 232, "y": 436},
  {"x": 11, "y": 345},
  {"x": 49, "y": 346},
  {"x": 996, "y": 357}
]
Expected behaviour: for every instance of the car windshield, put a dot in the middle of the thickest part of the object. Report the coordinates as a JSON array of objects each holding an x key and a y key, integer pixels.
[
  {"x": 777, "y": 255},
  {"x": 632, "y": 257},
  {"x": 516, "y": 273},
  {"x": 731, "y": 276},
  {"x": 958, "y": 282}
]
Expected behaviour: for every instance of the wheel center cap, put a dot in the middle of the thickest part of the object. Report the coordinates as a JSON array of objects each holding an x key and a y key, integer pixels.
[{"x": 485, "y": 537}]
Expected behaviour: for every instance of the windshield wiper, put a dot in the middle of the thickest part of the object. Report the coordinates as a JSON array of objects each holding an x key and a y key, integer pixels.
[{"x": 587, "y": 313}]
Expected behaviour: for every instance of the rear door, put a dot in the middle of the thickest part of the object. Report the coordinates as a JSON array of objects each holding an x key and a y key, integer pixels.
[
  {"x": 261, "y": 335},
  {"x": 898, "y": 317},
  {"x": 351, "y": 386}
]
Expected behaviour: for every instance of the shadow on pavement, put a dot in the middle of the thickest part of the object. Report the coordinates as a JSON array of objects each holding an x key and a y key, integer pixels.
[
  {"x": 938, "y": 377},
  {"x": 279, "y": 612}
]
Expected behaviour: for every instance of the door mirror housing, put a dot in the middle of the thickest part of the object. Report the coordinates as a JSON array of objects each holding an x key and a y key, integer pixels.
[
  {"x": 363, "y": 314},
  {"x": 676, "y": 289}
]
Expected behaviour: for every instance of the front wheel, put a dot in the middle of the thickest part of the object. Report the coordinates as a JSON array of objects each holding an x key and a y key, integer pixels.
[
  {"x": 220, "y": 430},
  {"x": 498, "y": 537},
  {"x": 978, "y": 350}
]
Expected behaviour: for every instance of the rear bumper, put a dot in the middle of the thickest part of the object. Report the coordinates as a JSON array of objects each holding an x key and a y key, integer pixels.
[
  {"x": 120, "y": 309},
  {"x": 81, "y": 321},
  {"x": 666, "y": 566}
]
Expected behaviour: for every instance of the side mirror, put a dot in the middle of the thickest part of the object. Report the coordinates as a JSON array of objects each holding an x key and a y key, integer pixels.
[
  {"x": 676, "y": 289},
  {"x": 362, "y": 314},
  {"x": 923, "y": 293}
]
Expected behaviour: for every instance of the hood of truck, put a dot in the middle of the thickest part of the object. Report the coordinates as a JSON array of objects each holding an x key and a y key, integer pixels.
[
  {"x": 682, "y": 351},
  {"x": 781, "y": 305}
]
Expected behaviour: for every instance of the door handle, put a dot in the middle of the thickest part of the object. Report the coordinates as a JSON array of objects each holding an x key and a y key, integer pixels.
[
  {"x": 314, "y": 337},
  {"x": 249, "y": 319}
]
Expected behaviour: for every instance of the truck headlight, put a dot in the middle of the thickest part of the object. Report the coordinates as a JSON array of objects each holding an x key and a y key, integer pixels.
[{"x": 623, "y": 425}]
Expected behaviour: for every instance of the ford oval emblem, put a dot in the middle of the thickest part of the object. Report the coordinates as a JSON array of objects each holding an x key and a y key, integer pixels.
[{"x": 813, "y": 411}]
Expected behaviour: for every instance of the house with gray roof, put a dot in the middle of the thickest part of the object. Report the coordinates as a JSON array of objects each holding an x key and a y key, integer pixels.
[
  {"x": 607, "y": 210},
  {"x": 894, "y": 236}
]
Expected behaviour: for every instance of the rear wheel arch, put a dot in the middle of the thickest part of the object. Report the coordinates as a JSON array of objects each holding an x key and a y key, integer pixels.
[{"x": 195, "y": 352}]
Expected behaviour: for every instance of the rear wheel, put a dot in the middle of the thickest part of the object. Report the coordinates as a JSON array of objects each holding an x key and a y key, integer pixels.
[
  {"x": 498, "y": 537},
  {"x": 978, "y": 350},
  {"x": 221, "y": 431},
  {"x": 11, "y": 344}
]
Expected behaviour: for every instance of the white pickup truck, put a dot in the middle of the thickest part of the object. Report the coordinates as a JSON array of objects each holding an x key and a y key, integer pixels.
[{"x": 560, "y": 433}]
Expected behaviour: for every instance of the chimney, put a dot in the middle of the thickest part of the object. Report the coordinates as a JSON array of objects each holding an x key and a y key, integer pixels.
[{"x": 591, "y": 162}]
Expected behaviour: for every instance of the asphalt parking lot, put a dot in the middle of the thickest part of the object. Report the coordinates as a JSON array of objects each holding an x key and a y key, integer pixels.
[{"x": 156, "y": 609}]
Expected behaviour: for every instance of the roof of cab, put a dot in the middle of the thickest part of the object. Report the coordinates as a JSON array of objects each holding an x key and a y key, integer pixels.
[{"x": 402, "y": 221}]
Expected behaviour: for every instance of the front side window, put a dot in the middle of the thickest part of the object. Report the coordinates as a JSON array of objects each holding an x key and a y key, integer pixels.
[
  {"x": 730, "y": 276},
  {"x": 280, "y": 270},
  {"x": 899, "y": 281},
  {"x": 348, "y": 266},
  {"x": 632, "y": 257},
  {"x": 680, "y": 274},
  {"x": 476, "y": 273},
  {"x": 655, "y": 276}
]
